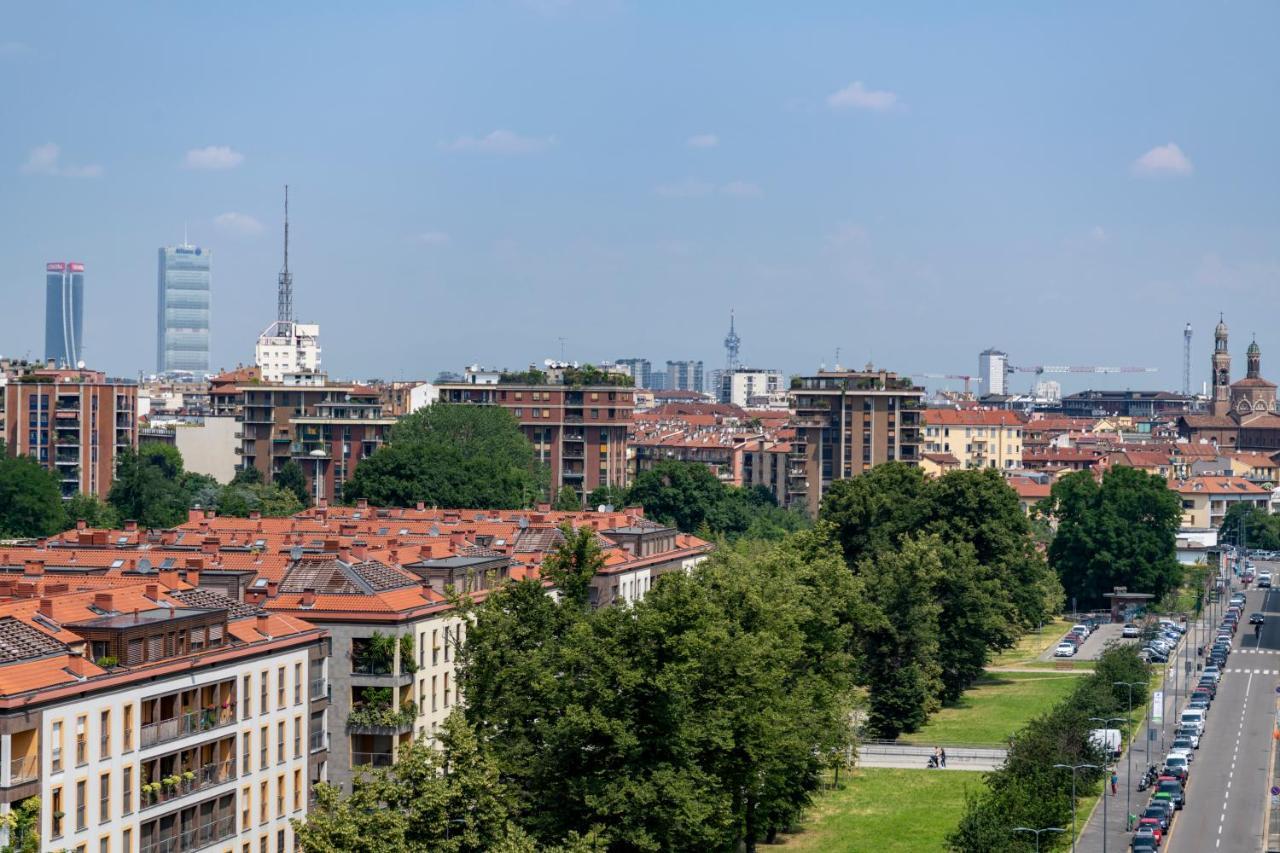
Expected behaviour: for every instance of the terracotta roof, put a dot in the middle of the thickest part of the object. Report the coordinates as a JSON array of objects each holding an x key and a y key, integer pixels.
[
  {"x": 1218, "y": 486},
  {"x": 973, "y": 417}
]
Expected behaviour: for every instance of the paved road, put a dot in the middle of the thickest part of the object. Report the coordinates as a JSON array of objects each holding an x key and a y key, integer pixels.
[{"x": 1093, "y": 646}]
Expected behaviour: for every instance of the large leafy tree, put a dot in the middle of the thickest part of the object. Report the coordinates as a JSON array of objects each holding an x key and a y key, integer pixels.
[
  {"x": 291, "y": 478},
  {"x": 452, "y": 455},
  {"x": 1121, "y": 531},
  {"x": 873, "y": 511},
  {"x": 1250, "y": 526},
  {"x": 689, "y": 496},
  {"x": 149, "y": 486},
  {"x": 90, "y": 509},
  {"x": 30, "y": 498},
  {"x": 270, "y": 500}
]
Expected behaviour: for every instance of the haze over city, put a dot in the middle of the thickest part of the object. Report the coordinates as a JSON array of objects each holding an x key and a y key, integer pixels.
[{"x": 473, "y": 182}]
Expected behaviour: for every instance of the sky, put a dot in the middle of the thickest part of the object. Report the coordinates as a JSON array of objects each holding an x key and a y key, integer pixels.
[{"x": 905, "y": 184}]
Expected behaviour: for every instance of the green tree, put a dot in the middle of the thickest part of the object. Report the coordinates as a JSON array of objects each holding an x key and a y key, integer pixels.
[
  {"x": 452, "y": 455},
  {"x": 30, "y": 498},
  {"x": 614, "y": 496},
  {"x": 23, "y": 823},
  {"x": 1120, "y": 532},
  {"x": 689, "y": 496},
  {"x": 567, "y": 500},
  {"x": 272, "y": 501},
  {"x": 291, "y": 478},
  {"x": 873, "y": 511},
  {"x": 1250, "y": 526},
  {"x": 247, "y": 475},
  {"x": 574, "y": 563},
  {"x": 92, "y": 510},
  {"x": 148, "y": 486}
]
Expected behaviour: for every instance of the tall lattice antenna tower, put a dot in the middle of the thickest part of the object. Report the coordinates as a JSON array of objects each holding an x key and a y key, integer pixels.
[
  {"x": 732, "y": 343},
  {"x": 284, "y": 296},
  {"x": 1186, "y": 359}
]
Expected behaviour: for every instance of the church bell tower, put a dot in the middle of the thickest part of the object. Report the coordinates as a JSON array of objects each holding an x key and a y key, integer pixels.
[{"x": 1220, "y": 403}]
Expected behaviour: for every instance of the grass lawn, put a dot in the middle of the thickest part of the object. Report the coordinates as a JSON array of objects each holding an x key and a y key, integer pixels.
[
  {"x": 885, "y": 810},
  {"x": 1033, "y": 644},
  {"x": 995, "y": 707}
]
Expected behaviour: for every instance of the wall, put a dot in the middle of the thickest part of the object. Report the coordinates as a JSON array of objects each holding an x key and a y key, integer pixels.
[{"x": 210, "y": 447}]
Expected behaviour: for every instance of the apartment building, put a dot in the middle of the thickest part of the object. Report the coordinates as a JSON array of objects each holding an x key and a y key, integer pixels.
[
  {"x": 977, "y": 438},
  {"x": 152, "y": 716},
  {"x": 1205, "y": 500},
  {"x": 846, "y": 422},
  {"x": 73, "y": 422},
  {"x": 744, "y": 386},
  {"x": 578, "y": 431},
  {"x": 326, "y": 428}
]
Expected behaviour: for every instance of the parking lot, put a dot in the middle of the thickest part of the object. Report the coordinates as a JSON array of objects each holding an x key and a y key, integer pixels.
[{"x": 1092, "y": 648}]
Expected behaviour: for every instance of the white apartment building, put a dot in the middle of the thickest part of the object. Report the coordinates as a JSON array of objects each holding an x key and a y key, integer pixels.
[{"x": 285, "y": 349}]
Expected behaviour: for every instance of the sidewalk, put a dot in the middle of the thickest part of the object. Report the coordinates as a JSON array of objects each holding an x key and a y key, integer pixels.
[{"x": 916, "y": 757}]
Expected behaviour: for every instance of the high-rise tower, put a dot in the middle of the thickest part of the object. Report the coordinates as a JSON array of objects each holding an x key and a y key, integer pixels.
[
  {"x": 732, "y": 343},
  {"x": 64, "y": 312},
  {"x": 284, "y": 284},
  {"x": 285, "y": 348},
  {"x": 1220, "y": 402},
  {"x": 1186, "y": 360},
  {"x": 183, "y": 304}
]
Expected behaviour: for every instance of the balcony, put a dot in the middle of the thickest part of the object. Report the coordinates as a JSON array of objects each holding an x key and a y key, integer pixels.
[
  {"x": 572, "y": 453},
  {"x": 179, "y": 785},
  {"x": 24, "y": 769},
  {"x": 371, "y": 759},
  {"x": 204, "y": 835},
  {"x": 375, "y": 714},
  {"x": 190, "y": 723},
  {"x": 317, "y": 742},
  {"x": 319, "y": 690}
]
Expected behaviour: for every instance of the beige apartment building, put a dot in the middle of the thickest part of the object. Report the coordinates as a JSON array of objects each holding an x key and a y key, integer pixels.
[
  {"x": 1205, "y": 500},
  {"x": 977, "y": 438}
]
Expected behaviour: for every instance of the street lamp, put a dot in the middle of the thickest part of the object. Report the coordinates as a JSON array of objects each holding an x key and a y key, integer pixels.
[
  {"x": 1129, "y": 752},
  {"x": 1037, "y": 832},
  {"x": 1106, "y": 723},
  {"x": 1073, "y": 768}
]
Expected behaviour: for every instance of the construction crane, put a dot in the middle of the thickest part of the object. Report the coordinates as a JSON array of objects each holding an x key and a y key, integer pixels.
[
  {"x": 967, "y": 379},
  {"x": 1074, "y": 368}
]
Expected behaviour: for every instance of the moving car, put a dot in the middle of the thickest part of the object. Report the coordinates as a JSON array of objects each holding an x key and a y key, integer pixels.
[
  {"x": 1064, "y": 650},
  {"x": 1257, "y": 619},
  {"x": 1264, "y": 580}
]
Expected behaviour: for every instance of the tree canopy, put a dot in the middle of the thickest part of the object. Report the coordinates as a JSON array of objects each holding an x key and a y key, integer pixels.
[
  {"x": 689, "y": 496},
  {"x": 1120, "y": 532},
  {"x": 152, "y": 487},
  {"x": 1251, "y": 527},
  {"x": 469, "y": 457},
  {"x": 30, "y": 498}
]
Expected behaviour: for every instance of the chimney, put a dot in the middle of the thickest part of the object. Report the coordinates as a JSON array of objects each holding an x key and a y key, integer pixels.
[
  {"x": 332, "y": 544},
  {"x": 130, "y": 526},
  {"x": 24, "y": 590},
  {"x": 273, "y": 589},
  {"x": 362, "y": 503},
  {"x": 81, "y": 524},
  {"x": 422, "y": 505},
  {"x": 56, "y": 588},
  {"x": 42, "y": 542},
  {"x": 153, "y": 592},
  {"x": 457, "y": 538},
  {"x": 255, "y": 515},
  {"x": 344, "y": 554},
  {"x": 195, "y": 515},
  {"x": 262, "y": 625},
  {"x": 33, "y": 568},
  {"x": 46, "y": 608},
  {"x": 193, "y": 577},
  {"x": 211, "y": 545},
  {"x": 308, "y": 598},
  {"x": 210, "y": 514},
  {"x": 196, "y": 563},
  {"x": 104, "y": 601},
  {"x": 170, "y": 578},
  {"x": 359, "y": 549}
]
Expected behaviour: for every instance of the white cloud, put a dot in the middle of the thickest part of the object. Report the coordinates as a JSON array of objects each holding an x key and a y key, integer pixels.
[
  {"x": 47, "y": 160},
  {"x": 431, "y": 238},
  {"x": 1163, "y": 160},
  {"x": 238, "y": 223},
  {"x": 857, "y": 96},
  {"x": 500, "y": 142},
  {"x": 742, "y": 189},
  {"x": 703, "y": 140},
  {"x": 213, "y": 157}
]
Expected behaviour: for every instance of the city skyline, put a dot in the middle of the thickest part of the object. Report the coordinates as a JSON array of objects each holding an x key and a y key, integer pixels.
[{"x": 930, "y": 209}]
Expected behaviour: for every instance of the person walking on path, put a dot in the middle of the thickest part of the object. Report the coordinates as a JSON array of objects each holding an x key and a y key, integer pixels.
[
  {"x": 942, "y": 757},
  {"x": 1114, "y": 779}
]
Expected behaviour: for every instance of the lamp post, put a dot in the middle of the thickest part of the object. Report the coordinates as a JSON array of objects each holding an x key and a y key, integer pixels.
[
  {"x": 1037, "y": 832},
  {"x": 1106, "y": 722},
  {"x": 1129, "y": 752},
  {"x": 1073, "y": 768}
]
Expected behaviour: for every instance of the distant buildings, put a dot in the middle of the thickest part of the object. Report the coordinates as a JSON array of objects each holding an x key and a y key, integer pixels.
[
  {"x": 288, "y": 349},
  {"x": 183, "y": 303},
  {"x": 745, "y": 386},
  {"x": 641, "y": 371},
  {"x": 977, "y": 438},
  {"x": 993, "y": 367},
  {"x": 684, "y": 376},
  {"x": 846, "y": 422},
  {"x": 64, "y": 313},
  {"x": 1243, "y": 414}
]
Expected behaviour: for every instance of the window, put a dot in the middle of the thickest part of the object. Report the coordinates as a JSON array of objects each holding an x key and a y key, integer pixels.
[
  {"x": 297, "y": 737},
  {"x": 264, "y": 748},
  {"x": 435, "y": 647},
  {"x": 82, "y": 740},
  {"x": 246, "y": 747},
  {"x": 447, "y": 636},
  {"x": 262, "y": 694},
  {"x": 280, "y": 742},
  {"x": 446, "y": 689},
  {"x": 546, "y": 413},
  {"x": 56, "y": 813},
  {"x": 280, "y": 841},
  {"x": 127, "y": 739},
  {"x": 126, "y": 790},
  {"x": 297, "y": 684},
  {"x": 280, "y": 687},
  {"x": 422, "y": 650},
  {"x": 104, "y": 734},
  {"x": 433, "y": 692},
  {"x": 82, "y": 793},
  {"x": 262, "y": 845},
  {"x": 104, "y": 844},
  {"x": 126, "y": 841},
  {"x": 297, "y": 790},
  {"x": 104, "y": 798},
  {"x": 246, "y": 708},
  {"x": 280, "y": 794},
  {"x": 246, "y": 805},
  {"x": 263, "y": 802},
  {"x": 55, "y": 739}
]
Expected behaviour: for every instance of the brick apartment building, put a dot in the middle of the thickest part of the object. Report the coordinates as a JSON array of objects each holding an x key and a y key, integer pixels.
[
  {"x": 73, "y": 422},
  {"x": 847, "y": 422}
]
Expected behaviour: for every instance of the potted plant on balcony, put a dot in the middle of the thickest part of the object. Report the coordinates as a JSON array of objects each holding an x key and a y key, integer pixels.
[
  {"x": 172, "y": 781},
  {"x": 188, "y": 777}
]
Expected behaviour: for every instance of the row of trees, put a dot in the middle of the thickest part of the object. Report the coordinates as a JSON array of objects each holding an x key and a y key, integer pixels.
[
  {"x": 702, "y": 718},
  {"x": 1028, "y": 790},
  {"x": 151, "y": 486},
  {"x": 951, "y": 574}
]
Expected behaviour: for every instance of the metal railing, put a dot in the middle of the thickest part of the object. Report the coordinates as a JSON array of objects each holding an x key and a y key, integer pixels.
[
  {"x": 190, "y": 723},
  {"x": 319, "y": 689},
  {"x": 195, "y": 838},
  {"x": 317, "y": 742},
  {"x": 371, "y": 759},
  {"x": 205, "y": 777},
  {"x": 24, "y": 769}
]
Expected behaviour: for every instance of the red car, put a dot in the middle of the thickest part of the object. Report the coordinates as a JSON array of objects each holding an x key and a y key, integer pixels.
[{"x": 1154, "y": 825}]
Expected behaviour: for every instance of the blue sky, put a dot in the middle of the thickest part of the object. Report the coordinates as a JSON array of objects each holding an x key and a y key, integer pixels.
[{"x": 472, "y": 181}]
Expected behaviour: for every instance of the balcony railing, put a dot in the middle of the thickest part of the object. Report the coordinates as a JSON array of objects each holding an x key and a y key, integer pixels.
[
  {"x": 180, "y": 786},
  {"x": 317, "y": 742},
  {"x": 24, "y": 769},
  {"x": 371, "y": 759},
  {"x": 218, "y": 829},
  {"x": 190, "y": 723},
  {"x": 319, "y": 689}
]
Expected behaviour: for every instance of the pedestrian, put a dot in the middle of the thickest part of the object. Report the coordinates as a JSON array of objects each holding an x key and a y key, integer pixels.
[
  {"x": 1114, "y": 779},
  {"x": 942, "y": 756}
]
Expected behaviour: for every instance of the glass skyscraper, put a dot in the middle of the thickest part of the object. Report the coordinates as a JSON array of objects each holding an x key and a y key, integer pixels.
[
  {"x": 182, "y": 310},
  {"x": 64, "y": 312}
]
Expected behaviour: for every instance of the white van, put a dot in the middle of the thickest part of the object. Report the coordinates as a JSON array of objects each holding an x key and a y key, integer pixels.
[
  {"x": 1193, "y": 718},
  {"x": 1177, "y": 761}
]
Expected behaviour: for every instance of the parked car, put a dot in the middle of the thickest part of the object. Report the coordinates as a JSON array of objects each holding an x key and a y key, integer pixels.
[
  {"x": 1064, "y": 650},
  {"x": 1159, "y": 813},
  {"x": 1130, "y": 631},
  {"x": 1174, "y": 789},
  {"x": 1144, "y": 841},
  {"x": 1191, "y": 734}
]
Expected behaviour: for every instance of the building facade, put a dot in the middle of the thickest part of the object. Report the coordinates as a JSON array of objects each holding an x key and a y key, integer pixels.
[
  {"x": 977, "y": 438},
  {"x": 73, "y": 422},
  {"x": 64, "y": 313},
  {"x": 288, "y": 349},
  {"x": 993, "y": 369},
  {"x": 183, "y": 309},
  {"x": 641, "y": 370},
  {"x": 847, "y": 422},
  {"x": 741, "y": 386},
  {"x": 684, "y": 376}
]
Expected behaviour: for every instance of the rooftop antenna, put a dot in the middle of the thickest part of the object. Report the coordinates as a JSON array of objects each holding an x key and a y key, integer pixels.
[
  {"x": 732, "y": 343},
  {"x": 1186, "y": 360},
  {"x": 284, "y": 296}
]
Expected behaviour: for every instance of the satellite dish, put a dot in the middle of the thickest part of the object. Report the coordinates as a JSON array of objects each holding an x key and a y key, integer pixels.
[
  {"x": 434, "y": 531},
  {"x": 80, "y": 364},
  {"x": 524, "y": 522},
  {"x": 295, "y": 553},
  {"x": 144, "y": 565}
]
